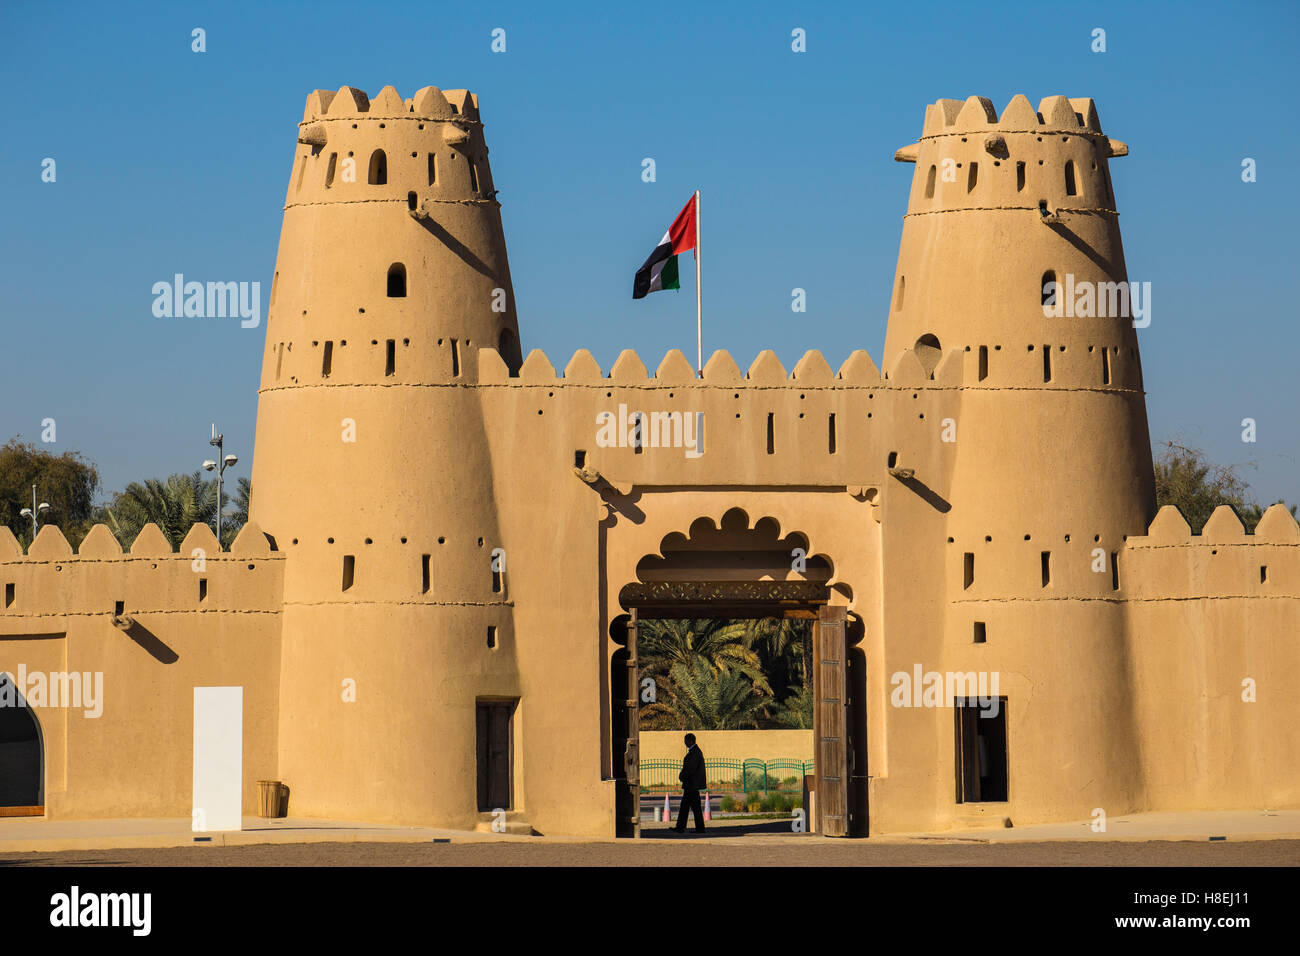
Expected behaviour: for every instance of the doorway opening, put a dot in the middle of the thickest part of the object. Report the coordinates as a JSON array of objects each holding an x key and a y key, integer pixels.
[
  {"x": 22, "y": 755},
  {"x": 981, "y": 737},
  {"x": 494, "y": 726},
  {"x": 723, "y": 640}
]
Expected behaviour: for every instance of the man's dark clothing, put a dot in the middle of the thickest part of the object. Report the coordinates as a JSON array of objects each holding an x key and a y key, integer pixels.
[{"x": 693, "y": 781}]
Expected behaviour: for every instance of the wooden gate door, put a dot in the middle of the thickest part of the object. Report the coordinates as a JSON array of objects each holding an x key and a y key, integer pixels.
[
  {"x": 492, "y": 720},
  {"x": 830, "y": 721},
  {"x": 632, "y": 751}
]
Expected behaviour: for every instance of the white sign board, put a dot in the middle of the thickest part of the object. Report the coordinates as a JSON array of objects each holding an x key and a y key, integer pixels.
[{"x": 218, "y": 758}]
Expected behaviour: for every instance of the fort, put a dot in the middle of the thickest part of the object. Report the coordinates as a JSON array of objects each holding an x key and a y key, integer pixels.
[{"x": 980, "y": 501}]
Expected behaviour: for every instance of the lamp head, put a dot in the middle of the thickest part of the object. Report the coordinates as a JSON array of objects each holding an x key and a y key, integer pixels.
[
  {"x": 209, "y": 465},
  {"x": 230, "y": 460},
  {"x": 26, "y": 512}
]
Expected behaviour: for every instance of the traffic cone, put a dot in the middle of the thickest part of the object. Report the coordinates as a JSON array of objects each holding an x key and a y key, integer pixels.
[
  {"x": 707, "y": 815},
  {"x": 668, "y": 809}
]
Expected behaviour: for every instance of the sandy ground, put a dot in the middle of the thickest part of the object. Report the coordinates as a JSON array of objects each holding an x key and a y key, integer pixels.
[{"x": 688, "y": 851}]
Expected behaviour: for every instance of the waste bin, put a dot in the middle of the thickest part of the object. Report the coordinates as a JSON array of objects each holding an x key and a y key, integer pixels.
[{"x": 270, "y": 795}]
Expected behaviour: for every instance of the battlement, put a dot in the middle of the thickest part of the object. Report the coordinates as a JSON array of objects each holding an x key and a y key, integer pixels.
[
  {"x": 50, "y": 583},
  {"x": 1055, "y": 114},
  {"x": 721, "y": 370},
  {"x": 429, "y": 103},
  {"x": 1222, "y": 562}
]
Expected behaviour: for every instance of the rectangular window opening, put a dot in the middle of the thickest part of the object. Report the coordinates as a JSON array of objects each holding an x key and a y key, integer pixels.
[
  {"x": 984, "y": 362},
  {"x": 203, "y": 589},
  {"x": 1047, "y": 363},
  {"x": 424, "y": 574},
  {"x": 771, "y": 433},
  {"x": 9, "y": 595},
  {"x": 496, "y": 582},
  {"x": 1020, "y": 177},
  {"x": 327, "y": 360},
  {"x": 329, "y": 173},
  {"x": 433, "y": 169},
  {"x": 1114, "y": 570},
  {"x": 981, "y": 750},
  {"x": 1105, "y": 366},
  {"x": 349, "y": 570},
  {"x": 473, "y": 177},
  {"x": 455, "y": 358},
  {"x": 1045, "y": 560},
  {"x": 580, "y": 459},
  {"x": 981, "y": 633},
  {"x": 830, "y": 438},
  {"x": 972, "y": 174},
  {"x": 967, "y": 570},
  {"x": 390, "y": 357},
  {"x": 1263, "y": 574},
  {"x": 492, "y": 636}
]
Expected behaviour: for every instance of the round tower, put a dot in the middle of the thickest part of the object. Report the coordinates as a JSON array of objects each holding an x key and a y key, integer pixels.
[
  {"x": 371, "y": 470},
  {"x": 1011, "y": 254}
]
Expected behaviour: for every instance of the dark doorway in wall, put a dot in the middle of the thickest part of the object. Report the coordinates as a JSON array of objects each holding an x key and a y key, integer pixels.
[
  {"x": 21, "y": 756},
  {"x": 493, "y": 724},
  {"x": 981, "y": 750}
]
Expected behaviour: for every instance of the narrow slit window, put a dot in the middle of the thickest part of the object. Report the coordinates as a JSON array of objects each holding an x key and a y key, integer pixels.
[
  {"x": 981, "y": 633},
  {"x": 830, "y": 436},
  {"x": 275, "y": 285},
  {"x": 378, "y": 168},
  {"x": 492, "y": 636},
  {"x": 929, "y": 184},
  {"x": 967, "y": 570},
  {"x": 1070, "y": 189},
  {"x": 329, "y": 170},
  {"x": 1105, "y": 366},
  {"x": 203, "y": 589},
  {"x": 1114, "y": 570},
  {"x": 638, "y": 432},
  {"x": 327, "y": 360},
  {"x": 1045, "y": 567},
  {"x": 279, "y": 360},
  {"x": 1047, "y": 363},
  {"x": 433, "y": 169},
  {"x": 473, "y": 176},
  {"x": 972, "y": 175},
  {"x": 119, "y": 608},
  {"x": 984, "y": 363},
  {"x": 455, "y": 358},
  {"x": 892, "y": 460},
  {"x": 496, "y": 581},
  {"x": 424, "y": 574},
  {"x": 1263, "y": 574},
  {"x": 397, "y": 281},
  {"x": 771, "y": 433},
  {"x": 1020, "y": 177},
  {"x": 9, "y": 595},
  {"x": 390, "y": 357},
  {"x": 1048, "y": 289},
  {"x": 349, "y": 570},
  {"x": 412, "y": 201}
]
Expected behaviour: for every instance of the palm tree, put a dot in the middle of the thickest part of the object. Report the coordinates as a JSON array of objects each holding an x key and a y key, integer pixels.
[
  {"x": 722, "y": 644},
  {"x": 174, "y": 505},
  {"x": 232, "y": 522},
  {"x": 796, "y": 711},
  {"x": 704, "y": 697}
]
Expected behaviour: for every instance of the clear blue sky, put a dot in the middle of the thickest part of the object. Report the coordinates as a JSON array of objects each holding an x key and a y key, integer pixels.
[{"x": 171, "y": 161}]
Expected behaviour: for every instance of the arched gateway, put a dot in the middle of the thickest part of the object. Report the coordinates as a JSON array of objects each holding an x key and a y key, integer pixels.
[{"x": 731, "y": 570}]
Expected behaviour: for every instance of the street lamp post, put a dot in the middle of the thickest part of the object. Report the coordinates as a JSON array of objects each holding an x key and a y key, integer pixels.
[
  {"x": 35, "y": 512},
  {"x": 220, "y": 466}
]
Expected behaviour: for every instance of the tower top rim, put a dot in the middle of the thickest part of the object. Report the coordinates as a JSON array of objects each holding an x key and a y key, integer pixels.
[{"x": 430, "y": 103}]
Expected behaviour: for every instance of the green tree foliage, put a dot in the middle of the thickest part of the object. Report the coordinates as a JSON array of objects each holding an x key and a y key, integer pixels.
[
  {"x": 67, "y": 482},
  {"x": 1187, "y": 479},
  {"x": 175, "y": 506},
  {"x": 724, "y": 675}
]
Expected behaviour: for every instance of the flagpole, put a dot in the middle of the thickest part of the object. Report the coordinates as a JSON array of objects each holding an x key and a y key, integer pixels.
[{"x": 699, "y": 340}]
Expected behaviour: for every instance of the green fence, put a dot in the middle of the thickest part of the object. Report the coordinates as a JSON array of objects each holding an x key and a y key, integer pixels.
[{"x": 736, "y": 776}]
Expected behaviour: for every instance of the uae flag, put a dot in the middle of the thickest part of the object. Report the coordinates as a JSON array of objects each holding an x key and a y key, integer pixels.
[{"x": 660, "y": 270}]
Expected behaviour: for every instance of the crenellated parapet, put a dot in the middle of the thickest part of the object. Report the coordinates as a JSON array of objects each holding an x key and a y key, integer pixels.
[
  {"x": 722, "y": 371},
  {"x": 50, "y": 583},
  {"x": 1169, "y": 563}
]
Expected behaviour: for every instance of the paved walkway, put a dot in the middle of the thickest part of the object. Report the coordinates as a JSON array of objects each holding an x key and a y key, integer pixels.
[{"x": 27, "y": 834}]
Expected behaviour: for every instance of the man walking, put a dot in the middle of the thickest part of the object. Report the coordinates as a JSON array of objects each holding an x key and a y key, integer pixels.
[{"x": 693, "y": 781}]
